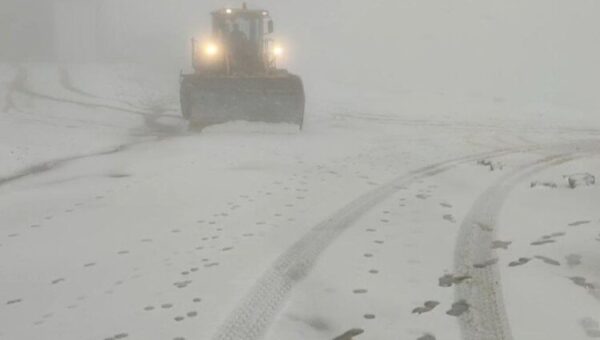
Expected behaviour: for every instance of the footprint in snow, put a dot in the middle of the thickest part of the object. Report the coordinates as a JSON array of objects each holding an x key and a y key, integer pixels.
[
  {"x": 591, "y": 327},
  {"x": 521, "y": 261},
  {"x": 349, "y": 335},
  {"x": 427, "y": 337},
  {"x": 182, "y": 284},
  {"x": 547, "y": 260},
  {"x": 501, "y": 244},
  {"x": 359, "y": 291},
  {"x": 119, "y": 175},
  {"x": 428, "y": 306},
  {"x": 15, "y": 301},
  {"x": 449, "y": 218},
  {"x": 578, "y": 223},
  {"x": 573, "y": 260},
  {"x": 369, "y": 316},
  {"x": 582, "y": 282},
  {"x": 459, "y": 308},
  {"x": 485, "y": 227},
  {"x": 448, "y": 280},
  {"x": 554, "y": 235},
  {"x": 542, "y": 242},
  {"x": 446, "y": 205},
  {"x": 485, "y": 264}
]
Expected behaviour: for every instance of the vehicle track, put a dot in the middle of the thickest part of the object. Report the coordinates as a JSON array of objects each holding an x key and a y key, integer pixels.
[
  {"x": 20, "y": 86},
  {"x": 256, "y": 311},
  {"x": 487, "y": 318},
  {"x": 158, "y": 131},
  {"x": 52, "y": 164},
  {"x": 64, "y": 77},
  {"x": 467, "y": 125}
]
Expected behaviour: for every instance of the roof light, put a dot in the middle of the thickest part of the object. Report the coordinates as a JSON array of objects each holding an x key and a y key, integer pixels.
[{"x": 229, "y": 11}]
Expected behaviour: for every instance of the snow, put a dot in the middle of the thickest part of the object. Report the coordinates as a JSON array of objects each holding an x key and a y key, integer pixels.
[
  {"x": 542, "y": 300},
  {"x": 116, "y": 219},
  {"x": 253, "y": 127}
]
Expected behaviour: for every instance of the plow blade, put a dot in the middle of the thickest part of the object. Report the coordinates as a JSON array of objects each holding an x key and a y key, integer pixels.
[{"x": 211, "y": 100}]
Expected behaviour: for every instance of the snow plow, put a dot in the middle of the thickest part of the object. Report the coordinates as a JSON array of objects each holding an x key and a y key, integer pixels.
[{"x": 236, "y": 77}]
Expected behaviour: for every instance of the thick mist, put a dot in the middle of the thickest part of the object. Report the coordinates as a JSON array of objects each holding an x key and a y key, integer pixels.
[{"x": 528, "y": 51}]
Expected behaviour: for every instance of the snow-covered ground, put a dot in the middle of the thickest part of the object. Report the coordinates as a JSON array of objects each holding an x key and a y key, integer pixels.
[{"x": 406, "y": 215}]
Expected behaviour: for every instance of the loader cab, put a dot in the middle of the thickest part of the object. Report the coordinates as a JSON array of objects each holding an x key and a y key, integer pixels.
[{"x": 242, "y": 36}]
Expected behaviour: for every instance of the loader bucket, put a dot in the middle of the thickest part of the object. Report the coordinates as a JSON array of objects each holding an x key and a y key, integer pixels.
[{"x": 210, "y": 100}]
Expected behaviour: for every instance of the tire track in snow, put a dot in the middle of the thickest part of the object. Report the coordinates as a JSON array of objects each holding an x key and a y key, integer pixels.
[
  {"x": 9, "y": 103},
  {"x": 20, "y": 86},
  {"x": 50, "y": 165},
  {"x": 253, "y": 316},
  {"x": 151, "y": 114},
  {"x": 487, "y": 318},
  {"x": 151, "y": 119},
  {"x": 64, "y": 77}
]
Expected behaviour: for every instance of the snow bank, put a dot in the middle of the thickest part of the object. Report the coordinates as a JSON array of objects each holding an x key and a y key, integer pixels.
[{"x": 253, "y": 127}]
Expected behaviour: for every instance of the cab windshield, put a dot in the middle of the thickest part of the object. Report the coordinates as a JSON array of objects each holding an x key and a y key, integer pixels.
[{"x": 251, "y": 27}]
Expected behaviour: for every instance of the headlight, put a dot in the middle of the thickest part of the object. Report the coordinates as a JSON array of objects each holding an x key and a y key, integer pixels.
[
  {"x": 211, "y": 49},
  {"x": 278, "y": 51}
]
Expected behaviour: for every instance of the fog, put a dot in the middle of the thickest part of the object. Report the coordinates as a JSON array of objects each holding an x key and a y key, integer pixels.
[
  {"x": 524, "y": 50},
  {"x": 428, "y": 169}
]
